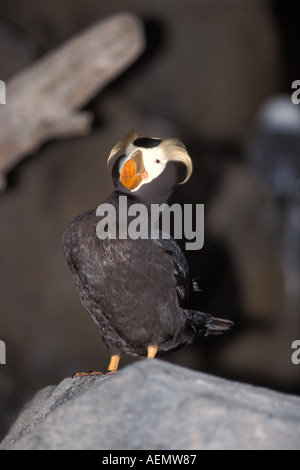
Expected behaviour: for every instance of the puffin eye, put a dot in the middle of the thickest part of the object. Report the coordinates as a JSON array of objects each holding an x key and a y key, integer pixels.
[{"x": 157, "y": 161}]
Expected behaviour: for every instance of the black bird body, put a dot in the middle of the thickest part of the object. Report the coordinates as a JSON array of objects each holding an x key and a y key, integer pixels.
[
  {"x": 129, "y": 287},
  {"x": 138, "y": 292}
]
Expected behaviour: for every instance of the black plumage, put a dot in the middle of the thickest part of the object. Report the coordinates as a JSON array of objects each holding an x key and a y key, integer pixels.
[{"x": 138, "y": 291}]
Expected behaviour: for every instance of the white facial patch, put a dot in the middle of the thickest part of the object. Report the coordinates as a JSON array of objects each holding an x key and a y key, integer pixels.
[{"x": 154, "y": 162}]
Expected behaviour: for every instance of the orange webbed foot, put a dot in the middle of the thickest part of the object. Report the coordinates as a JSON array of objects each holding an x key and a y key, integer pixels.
[
  {"x": 85, "y": 374},
  {"x": 112, "y": 368}
]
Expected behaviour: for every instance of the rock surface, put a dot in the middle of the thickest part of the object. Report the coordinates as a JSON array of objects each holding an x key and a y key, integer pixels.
[{"x": 155, "y": 405}]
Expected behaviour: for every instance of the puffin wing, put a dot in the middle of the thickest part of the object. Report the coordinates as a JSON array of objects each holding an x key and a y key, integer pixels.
[{"x": 181, "y": 273}]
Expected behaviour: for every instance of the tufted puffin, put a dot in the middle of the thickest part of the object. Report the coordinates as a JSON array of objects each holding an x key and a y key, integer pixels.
[{"x": 138, "y": 291}]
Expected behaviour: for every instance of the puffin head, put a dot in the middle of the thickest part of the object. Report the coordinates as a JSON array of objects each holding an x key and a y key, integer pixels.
[{"x": 149, "y": 167}]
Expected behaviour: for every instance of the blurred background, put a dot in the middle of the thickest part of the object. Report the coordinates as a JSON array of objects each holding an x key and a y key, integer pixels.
[{"x": 218, "y": 75}]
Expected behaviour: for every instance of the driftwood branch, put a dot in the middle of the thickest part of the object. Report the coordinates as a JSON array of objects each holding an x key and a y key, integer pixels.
[{"x": 43, "y": 101}]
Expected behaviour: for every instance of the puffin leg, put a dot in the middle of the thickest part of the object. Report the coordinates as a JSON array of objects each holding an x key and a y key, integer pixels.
[
  {"x": 151, "y": 351},
  {"x": 113, "y": 365}
]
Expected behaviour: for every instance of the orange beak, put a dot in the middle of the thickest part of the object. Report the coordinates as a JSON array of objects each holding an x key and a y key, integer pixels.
[{"x": 133, "y": 171}]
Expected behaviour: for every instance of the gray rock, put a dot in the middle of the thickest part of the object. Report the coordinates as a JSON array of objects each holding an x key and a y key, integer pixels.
[
  {"x": 45, "y": 402},
  {"x": 155, "y": 405}
]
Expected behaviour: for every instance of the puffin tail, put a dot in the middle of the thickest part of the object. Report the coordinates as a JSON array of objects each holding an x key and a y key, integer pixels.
[
  {"x": 217, "y": 326},
  {"x": 205, "y": 324}
]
